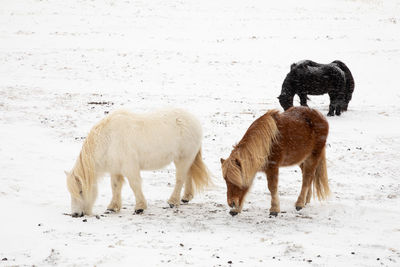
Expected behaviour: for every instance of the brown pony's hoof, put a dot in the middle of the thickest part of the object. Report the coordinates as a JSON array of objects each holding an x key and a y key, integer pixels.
[
  {"x": 298, "y": 208},
  {"x": 139, "y": 211},
  {"x": 76, "y": 214},
  {"x": 171, "y": 205},
  {"x": 273, "y": 213},
  {"x": 185, "y": 201},
  {"x": 233, "y": 213}
]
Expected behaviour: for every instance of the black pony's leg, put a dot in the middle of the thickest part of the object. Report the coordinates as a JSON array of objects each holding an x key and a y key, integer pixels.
[
  {"x": 331, "y": 111},
  {"x": 336, "y": 103},
  {"x": 332, "y": 104},
  {"x": 341, "y": 103},
  {"x": 345, "y": 102},
  {"x": 338, "y": 110},
  {"x": 303, "y": 100}
]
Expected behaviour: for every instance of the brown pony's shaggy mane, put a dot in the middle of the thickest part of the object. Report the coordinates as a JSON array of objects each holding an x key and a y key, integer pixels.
[{"x": 252, "y": 150}]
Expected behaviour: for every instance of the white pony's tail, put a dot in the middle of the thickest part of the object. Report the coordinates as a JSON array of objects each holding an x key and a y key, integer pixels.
[{"x": 200, "y": 173}]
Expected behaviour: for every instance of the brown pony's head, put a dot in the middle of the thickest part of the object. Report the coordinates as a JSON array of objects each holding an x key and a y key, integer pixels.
[{"x": 236, "y": 187}]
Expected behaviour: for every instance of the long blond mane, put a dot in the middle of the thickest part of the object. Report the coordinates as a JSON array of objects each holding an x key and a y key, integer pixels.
[
  {"x": 252, "y": 152},
  {"x": 82, "y": 177}
]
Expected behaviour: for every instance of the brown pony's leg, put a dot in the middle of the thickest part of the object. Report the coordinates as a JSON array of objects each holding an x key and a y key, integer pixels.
[
  {"x": 308, "y": 168},
  {"x": 272, "y": 173},
  {"x": 309, "y": 192}
]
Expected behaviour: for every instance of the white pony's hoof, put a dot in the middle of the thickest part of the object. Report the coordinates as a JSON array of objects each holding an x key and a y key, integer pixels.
[
  {"x": 139, "y": 211},
  {"x": 109, "y": 211},
  {"x": 77, "y": 214},
  {"x": 273, "y": 213},
  {"x": 174, "y": 203}
]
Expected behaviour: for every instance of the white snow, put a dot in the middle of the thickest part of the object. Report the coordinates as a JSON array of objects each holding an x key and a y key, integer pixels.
[{"x": 225, "y": 62}]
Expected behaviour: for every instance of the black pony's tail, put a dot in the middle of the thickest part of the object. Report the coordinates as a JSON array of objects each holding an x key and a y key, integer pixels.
[{"x": 349, "y": 79}]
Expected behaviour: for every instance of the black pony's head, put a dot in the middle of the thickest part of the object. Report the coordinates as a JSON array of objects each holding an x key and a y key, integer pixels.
[{"x": 285, "y": 101}]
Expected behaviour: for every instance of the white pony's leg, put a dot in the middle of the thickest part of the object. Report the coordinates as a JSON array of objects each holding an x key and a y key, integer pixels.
[
  {"x": 188, "y": 193},
  {"x": 135, "y": 181},
  {"x": 117, "y": 181},
  {"x": 182, "y": 168}
]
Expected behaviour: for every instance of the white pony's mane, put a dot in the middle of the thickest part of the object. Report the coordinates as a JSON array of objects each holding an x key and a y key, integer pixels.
[{"x": 82, "y": 176}]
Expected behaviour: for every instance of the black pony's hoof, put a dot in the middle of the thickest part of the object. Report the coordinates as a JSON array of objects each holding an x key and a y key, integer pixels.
[
  {"x": 76, "y": 214},
  {"x": 185, "y": 201},
  {"x": 329, "y": 114},
  {"x": 233, "y": 213},
  {"x": 273, "y": 213},
  {"x": 298, "y": 208},
  {"x": 139, "y": 211}
]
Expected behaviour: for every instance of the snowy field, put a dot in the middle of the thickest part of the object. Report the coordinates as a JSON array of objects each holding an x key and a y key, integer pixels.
[{"x": 65, "y": 64}]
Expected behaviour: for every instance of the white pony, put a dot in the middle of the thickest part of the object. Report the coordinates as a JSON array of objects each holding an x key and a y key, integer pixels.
[{"x": 123, "y": 144}]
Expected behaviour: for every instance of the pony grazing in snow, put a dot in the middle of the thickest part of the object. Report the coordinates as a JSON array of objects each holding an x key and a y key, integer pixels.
[
  {"x": 296, "y": 136},
  {"x": 123, "y": 144},
  {"x": 310, "y": 78}
]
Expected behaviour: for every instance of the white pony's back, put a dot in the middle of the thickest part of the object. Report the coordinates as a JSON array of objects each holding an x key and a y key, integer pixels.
[{"x": 152, "y": 140}]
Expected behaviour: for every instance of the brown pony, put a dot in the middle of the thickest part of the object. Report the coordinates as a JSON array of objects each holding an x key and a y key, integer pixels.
[{"x": 296, "y": 136}]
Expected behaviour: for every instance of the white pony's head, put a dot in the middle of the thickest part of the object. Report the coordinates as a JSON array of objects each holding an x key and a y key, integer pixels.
[
  {"x": 81, "y": 199},
  {"x": 75, "y": 188}
]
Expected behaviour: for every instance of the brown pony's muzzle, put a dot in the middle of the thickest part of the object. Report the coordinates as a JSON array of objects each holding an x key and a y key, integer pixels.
[
  {"x": 235, "y": 206},
  {"x": 235, "y": 209},
  {"x": 233, "y": 212}
]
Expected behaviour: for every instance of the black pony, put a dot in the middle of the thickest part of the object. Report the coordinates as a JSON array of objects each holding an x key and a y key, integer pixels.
[{"x": 310, "y": 78}]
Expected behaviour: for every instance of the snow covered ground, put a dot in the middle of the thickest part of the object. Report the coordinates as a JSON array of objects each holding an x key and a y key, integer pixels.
[{"x": 64, "y": 64}]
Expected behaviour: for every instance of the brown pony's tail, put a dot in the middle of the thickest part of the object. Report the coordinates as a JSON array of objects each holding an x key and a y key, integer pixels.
[
  {"x": 199, "y": 173},
  {"x": 321, "y": 186}
]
